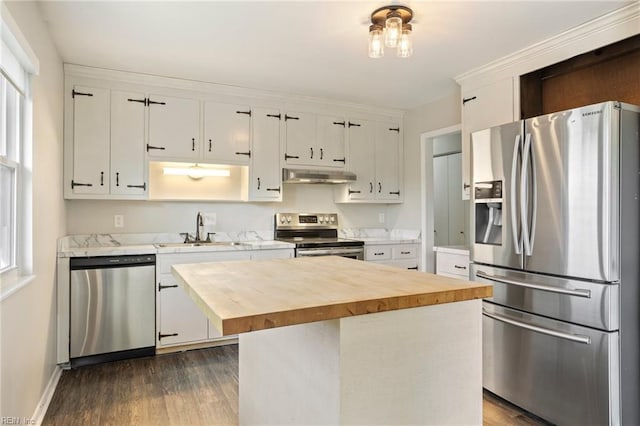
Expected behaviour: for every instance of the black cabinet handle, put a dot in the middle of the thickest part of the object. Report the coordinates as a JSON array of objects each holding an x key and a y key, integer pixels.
[
  {"x": 379, "y": 187},
  {"x": 150, "y": 102},
  {"x": 278, "y": 116},
  {"x": 244, "y": 112},
  {"x": 161, "y": 148},
  {"x": 143, "y": 186},
  {"x": 288, "y": 117},
  {"x": 464, "y": 101},
  {"x": 311, "y": 153},
  {"x": 162, "y": 336},
  {"x": 287, "y": 156},
  {"x": 405, "y": 252},
  {"x": 370, "y": 187},
  {"x": 353, "y": 124},
  {"x": 142, "y": 101},
  {"x": 74, "y": 93},
  {"x": 101, "y": 178},
  {"x": 353, "y": 192},
  {"x": 258, "y": 183},
  {"x": 459, "y": 267},
  {"x": 395, "y": 193},
  {"x": 162, "y": 287},
  {"x": 394, "y": 129},
  {"x": 248, "y": 153},
  {"x": 380, "y": 253},
  {"x": 415, "y": 268},
  {"x": 339, "y": 123},
  {"x": 274, "y": 189},
  {"x": 465, "y": 186},
  {"x": 340, "y": 160},
  {"x": 74, "y": 184},
  {"x": 321, "y": 153},
  {"x": 193, "y": 144},
  {"x": 117, "y": 179},
  {"x": 209, "y": 145}
]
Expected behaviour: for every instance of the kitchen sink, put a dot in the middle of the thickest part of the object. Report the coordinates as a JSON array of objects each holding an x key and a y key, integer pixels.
[{"x": 201, "y": 244}]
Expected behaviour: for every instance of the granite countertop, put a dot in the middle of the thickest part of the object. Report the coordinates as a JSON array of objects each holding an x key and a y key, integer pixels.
[
  {"x": 244, "y": 296},
  {"x": 374, "y": 236}
]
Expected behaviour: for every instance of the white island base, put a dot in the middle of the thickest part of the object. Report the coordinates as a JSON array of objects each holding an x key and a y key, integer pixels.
[{"x": 409, "y": 366}]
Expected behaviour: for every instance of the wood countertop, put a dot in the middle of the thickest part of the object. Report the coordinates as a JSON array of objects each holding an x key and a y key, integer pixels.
[{"x": 242, "y": 296}]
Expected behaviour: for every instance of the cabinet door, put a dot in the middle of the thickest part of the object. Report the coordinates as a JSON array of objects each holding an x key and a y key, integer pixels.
[
  {"x": 179, "y": 315},
  {"x": 265, "y": 177},
  {"x": 300, "y": 139},
  {"x": 387, "y": 161},
  {"x": 362, "y": 136},
  {"x": 441, "y": 201},
  {"x": 226, "y": 133},
  {"x": 174, "y": 127},
  {"x": 482, "y": 108},
  {"x": 127, "y": 143},
  {"x": 90, "y": 140},
  {"x": 330, "y": 133},
  {"x": 456, "y": 207}
]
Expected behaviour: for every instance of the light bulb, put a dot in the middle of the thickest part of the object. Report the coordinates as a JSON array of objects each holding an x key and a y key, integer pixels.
[
  {"x": 393, "y": 29},
  {"x": 376, "y": 45},
  {"x": 405, "y": 46}
]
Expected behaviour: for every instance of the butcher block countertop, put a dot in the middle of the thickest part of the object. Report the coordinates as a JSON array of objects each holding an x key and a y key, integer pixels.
[{"x": 242, "y": 296}]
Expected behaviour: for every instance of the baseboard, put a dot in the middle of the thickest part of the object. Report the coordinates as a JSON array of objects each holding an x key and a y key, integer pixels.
[{"x": 47, "y": 395}]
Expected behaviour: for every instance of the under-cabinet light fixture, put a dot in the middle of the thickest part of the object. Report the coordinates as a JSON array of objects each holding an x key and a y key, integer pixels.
[
  {"x": 196, "y": 172},
  {"x": 390, "y": 27}
]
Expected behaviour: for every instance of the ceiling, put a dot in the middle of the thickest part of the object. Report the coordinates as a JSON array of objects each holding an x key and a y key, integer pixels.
[{"x": 313, "y": 48}]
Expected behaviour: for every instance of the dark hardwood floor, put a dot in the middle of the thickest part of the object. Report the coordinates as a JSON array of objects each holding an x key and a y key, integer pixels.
[{"x": 198, "y": 387}]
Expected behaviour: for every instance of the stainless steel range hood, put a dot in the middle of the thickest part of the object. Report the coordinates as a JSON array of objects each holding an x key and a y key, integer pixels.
[{"x": 316, "y": 176}]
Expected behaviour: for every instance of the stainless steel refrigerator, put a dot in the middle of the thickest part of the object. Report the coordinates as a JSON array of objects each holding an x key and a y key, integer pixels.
[{"x": 555, "y": 223}]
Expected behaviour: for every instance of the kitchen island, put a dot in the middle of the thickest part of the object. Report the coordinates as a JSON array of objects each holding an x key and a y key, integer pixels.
[{"x": 330, "y": 340}]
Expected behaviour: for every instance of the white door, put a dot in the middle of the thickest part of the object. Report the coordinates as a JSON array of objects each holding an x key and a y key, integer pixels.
[
  {"x": 227, "y": 129},
  {"x": 174, "y": 128},
  {"x": 387, "y": 185},
  {"x": 330, "y": 135},
  {"x": 441, "y": 201},
  {"x": 300, "y": 139},
  {"x": 362, "y": 135},
  {"x": 127, "y": 143},
  {"x": 181, "y": 320},
  {"x": 265, "y": 177},
  {"x": 90, "y": 140},
  {"x": 456, "y": 204}
]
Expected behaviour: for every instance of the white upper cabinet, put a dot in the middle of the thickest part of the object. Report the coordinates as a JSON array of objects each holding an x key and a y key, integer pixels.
[
  {"x": 106, "y": 156},
  {"x": 314, "y": 140},
  {"x": 227, "y": 131},
  {"x": 482, "y": 108},
  {"x": 375, "y": 156},
  {"x": 265, "y": 177},
  {"x": 128, "y": 175},
  {"x": 174, "y": 128}
]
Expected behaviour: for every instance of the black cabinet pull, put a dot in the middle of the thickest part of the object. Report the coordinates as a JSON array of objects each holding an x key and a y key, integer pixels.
[
  {"x": 143, "y": 186},
  {"x": 405, "y": 252},
  {"x": 150, "y": 102},
  {"x": 311, "y": 153},
  {"x": 117, "y": 179},
  {"x": 465, "y": 186},
  {"x": 258, "y": 183},
  {"x": 287, "y": 156},
  {"x": 415, "y": 268},
  {"x": 162, "y": 336},
  {"x": 209, "y": 145},
  {"x": 161, "y": 148},
  {"x": 278, "y": 116},
  {"x": 321, "y": 153},
  {"x": 288, "y": 117},
  {"x": 162, "y": 287},
  {"x": 101, "y": 178},
  {"x": 74, "y": 184},
  {"x": 464, "y": 101},
  {"x": 459, "y": 267},
  {"x": 74, "y": 93},
  {"x": 244, "y": 112},
  {"x": 274, "y": 189},
  {"x": 395, "y": 193},
  {"x": 353, "y": 192},
  {"x": 394, "y": 129},
  {"x": 340, "y": 160},
  {"x": 142, "y": 101},
  {"x": 193, "y": 144},
  {"x": 353, "y": 124},
  {"x": 248, "y": 153},
  {"x": 339, "y": 123},
  {"x": 380, "y": 253},
  {"x": 370, "y": 187},
  {"x": 379, "y": 187}
]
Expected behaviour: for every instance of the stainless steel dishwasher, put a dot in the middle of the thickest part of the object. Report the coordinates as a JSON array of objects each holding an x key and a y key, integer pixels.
[{"x": 112, "y": 304}]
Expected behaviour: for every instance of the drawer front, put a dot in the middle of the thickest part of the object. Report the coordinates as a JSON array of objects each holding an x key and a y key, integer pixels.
[
  {"x": 405, "y": 252},
  {"x": 164, "y": 261},
  {"x": 377, "y": 253},
  {"x": 404, "y": 264},
  {"x": 456, "y": 264}
]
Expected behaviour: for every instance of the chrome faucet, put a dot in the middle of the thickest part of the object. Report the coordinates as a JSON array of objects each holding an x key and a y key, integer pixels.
[{"x": 199, "y": 223}]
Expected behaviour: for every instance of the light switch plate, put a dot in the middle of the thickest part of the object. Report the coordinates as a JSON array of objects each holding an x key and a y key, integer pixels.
[
  {"x": 118, "y": 221},
  {"x": 381, "y": 217}
]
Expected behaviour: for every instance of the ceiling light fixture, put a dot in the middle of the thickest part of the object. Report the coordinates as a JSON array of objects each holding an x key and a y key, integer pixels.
[{"x": 390, "y": 27}]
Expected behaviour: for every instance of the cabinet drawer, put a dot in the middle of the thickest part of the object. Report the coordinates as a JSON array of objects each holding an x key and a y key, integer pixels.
[
  {"x": 405, "y": 252},
  {"x": 377, "y": 253},
  {"x": 450, "y": 263}
]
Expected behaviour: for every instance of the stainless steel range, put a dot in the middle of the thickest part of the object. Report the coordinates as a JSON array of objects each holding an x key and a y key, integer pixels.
[{"x": 316, "y": 234}]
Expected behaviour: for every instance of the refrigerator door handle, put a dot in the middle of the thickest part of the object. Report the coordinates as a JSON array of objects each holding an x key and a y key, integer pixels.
[
  {"x": 579, "y": 292},
  {"x": 524, "y": 195},
  {"x": 517, "y": 239},
  {"x": 534, "y": 196},
  {"x": 586, "y": 340}
]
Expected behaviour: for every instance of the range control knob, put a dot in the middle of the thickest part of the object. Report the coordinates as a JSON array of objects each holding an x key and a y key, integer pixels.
[
  {"x": 288, "y": 219},
  {"x": 332, "y": 219},
  {"x": 321, "y": 219},
  {"x": 326, "y": 219},
  {"x": 281, "y": 219}
]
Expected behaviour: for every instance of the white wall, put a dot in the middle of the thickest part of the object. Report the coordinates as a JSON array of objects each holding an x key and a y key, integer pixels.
[
  {"x": 27, "y": 324},
  {"x": 436, "y": 115}
]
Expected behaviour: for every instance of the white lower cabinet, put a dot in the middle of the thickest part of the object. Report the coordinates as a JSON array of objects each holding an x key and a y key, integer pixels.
[
  {"x": 179, "y": 321},
  {"x": 452, "y": 263},
  {"x": 400, "y": 255}
]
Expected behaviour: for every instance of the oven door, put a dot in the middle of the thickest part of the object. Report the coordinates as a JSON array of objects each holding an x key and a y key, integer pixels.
[{"x": 350, "y": 252}]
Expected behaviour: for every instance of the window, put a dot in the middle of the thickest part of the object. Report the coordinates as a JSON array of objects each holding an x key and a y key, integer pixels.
[{"x": 11, "y": 101}]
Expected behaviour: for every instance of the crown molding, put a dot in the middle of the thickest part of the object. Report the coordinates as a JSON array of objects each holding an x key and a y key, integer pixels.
[{"x": 607, "y": 29}]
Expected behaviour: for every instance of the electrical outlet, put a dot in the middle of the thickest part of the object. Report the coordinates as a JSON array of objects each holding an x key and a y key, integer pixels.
[
  {"x": 209, "y": 218},
  {"x": 381, "y": 217},
  {"x": 118, "y": 221}
]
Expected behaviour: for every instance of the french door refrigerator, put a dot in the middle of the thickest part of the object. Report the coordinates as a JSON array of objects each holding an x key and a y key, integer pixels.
[{"x": 556, "y": 230}]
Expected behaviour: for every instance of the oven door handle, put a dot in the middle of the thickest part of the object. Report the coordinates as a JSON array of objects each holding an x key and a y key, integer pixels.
[{"x": 328, "y": 252}]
